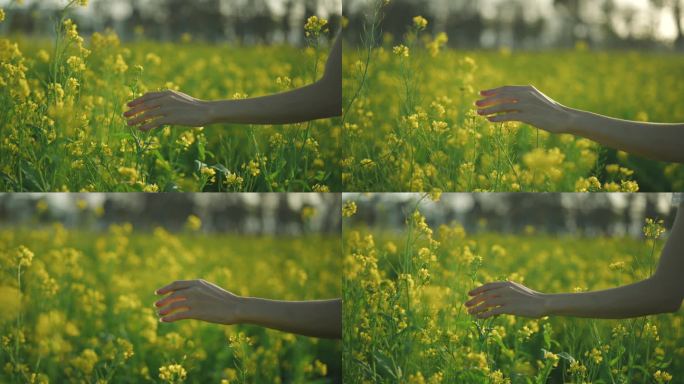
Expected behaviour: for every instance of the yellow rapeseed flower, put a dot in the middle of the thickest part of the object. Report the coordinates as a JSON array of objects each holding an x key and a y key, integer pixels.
[
  {"x": 662, "y": 376},
  {"x": 349, "y": 209},
  {"x": 172, "y": 373},
  {"x": 401, "y": 50},
  {"x": 314, "y": 26},
  {"x": 193, "y": 223},
  {"x": 23, "y": 256},
  {"x": 420, "y": 23}
]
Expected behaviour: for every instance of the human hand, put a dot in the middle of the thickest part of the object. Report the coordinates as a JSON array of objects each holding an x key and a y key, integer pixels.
[
  {"x": 506, "y": 297},
  {"x": 526, "y": 104},
  {"x": 199, "y": 300},
  {"x": 167, "y": 107}
]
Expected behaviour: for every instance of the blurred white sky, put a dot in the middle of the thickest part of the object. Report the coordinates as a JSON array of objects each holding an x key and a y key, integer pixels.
[
  {"x": 462, "y": 202},
  {"x": 643, "y": 11},
  {"x": 121, "y": 8}
]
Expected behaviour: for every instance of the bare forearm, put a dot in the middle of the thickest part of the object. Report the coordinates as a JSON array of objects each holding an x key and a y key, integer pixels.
[
  {"x": 646, "y": 297},
  {"x": 662, "y": 292},
  {"x": 319, "y": 100},
  {"x": 317, "y": 318},
  {"x": 652, "y": 140},
  {"x": 314, "y": 101}
]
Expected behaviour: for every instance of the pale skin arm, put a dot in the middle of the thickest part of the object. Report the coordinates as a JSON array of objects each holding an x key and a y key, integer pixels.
[
  {"x": 661, "y": 293},
  {"x": 322, "y": 99},
  {"x": 658, "y": 141},
  {"x": 202, "y": 300}
]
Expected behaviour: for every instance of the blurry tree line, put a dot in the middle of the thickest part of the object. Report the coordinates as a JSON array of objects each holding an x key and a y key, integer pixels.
[
  {"x": 268, "y": 213},
  {"x": 593, "y": 214},
  {"x": 244, "y": 21},
  {"x": 531, "y": 24}
]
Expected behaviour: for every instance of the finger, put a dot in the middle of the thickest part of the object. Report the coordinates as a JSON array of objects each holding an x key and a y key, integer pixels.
[
  {"x": 175, "y": 286},
  {"x": 177, "y": 316},
  {"x": 491, "y": 303},
  {"x": 493, "y": 312},
  {"x": 176, "y": 296},
  {"x": 492, "y": 92},
  {"x": 483, "y": 297},
  {"x": 507, "y": 107},
  {"x": 506, "y": 89},
  {"x": 509, "y": 116},
  {"x": 143, "y": 107},
  {"x": 153, "y": 124},
  {"x": 486, "y": 102},
  {"x": 147, "y": 115},
  {"x": 146, "y": 97},
  {"x": 496, "y": 91},
  {"x": 173, "y": 307},
  {"x": 488, "y": 287}
]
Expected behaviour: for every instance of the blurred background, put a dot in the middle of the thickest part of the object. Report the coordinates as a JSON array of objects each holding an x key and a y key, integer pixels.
[
  {"x": 586, "y": 214},
  {"x": 245, "y": 213},
  {"x": 537, "y": 24},
  {"x": 244, "y": 21}
]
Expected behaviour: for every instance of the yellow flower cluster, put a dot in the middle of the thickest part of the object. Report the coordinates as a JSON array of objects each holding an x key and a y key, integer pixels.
[
  {"x": 315, "y": 26},
  {"x": 401, "y": 50},
  {"x": 193, "y": 223},
  {"x": 420, "y": 23},
  {"x": 173, "y": 373},
  {"x": 653, "y": 228},
  {"x": 349, "y": 209},
  {"x": 24, "y": 256}
]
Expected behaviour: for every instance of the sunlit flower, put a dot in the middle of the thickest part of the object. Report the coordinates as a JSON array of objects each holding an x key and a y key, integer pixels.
[
  {"x": 172, "y": 373},
  {"x": 401, "y": 50},
  {"x": 23, "y": 256},
  {"x": 653, "y": 228},
  {"x": 420, "y": 23},
  {"x": 662, "y": 376},
  {"x": 349, "y": 209},
  {"x": 314, "y": 26},
  {"x": 193, "y": 223}
]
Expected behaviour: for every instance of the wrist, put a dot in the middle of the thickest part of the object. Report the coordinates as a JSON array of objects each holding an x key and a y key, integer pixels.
[
  {"x": 568, "y": 120},
  {"x": 209, "y": 109},
  {"x": 548, "y": 304},
  {"x": 242, "y": 308}
]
